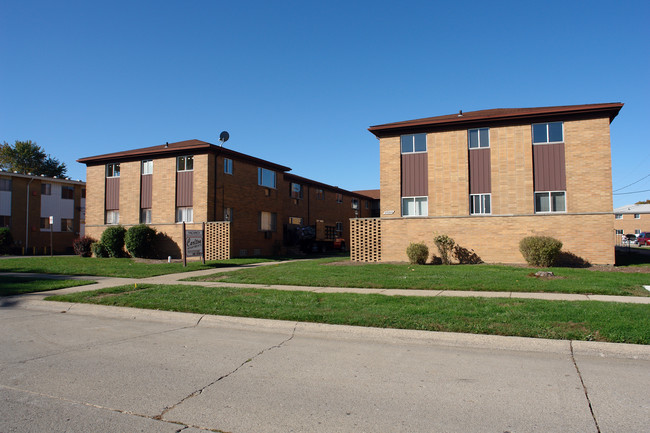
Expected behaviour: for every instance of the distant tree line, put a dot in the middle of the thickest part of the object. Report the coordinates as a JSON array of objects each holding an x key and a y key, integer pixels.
[{"x": 27, "y": 157}]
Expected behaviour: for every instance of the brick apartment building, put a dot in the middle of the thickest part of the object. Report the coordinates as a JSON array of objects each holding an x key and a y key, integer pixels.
[
  {"x": 490, "y": 178},
  {"x": 194, "y": 182},
  {"x": 633, "y": 218},
  {"x": 26, "y": 204}
]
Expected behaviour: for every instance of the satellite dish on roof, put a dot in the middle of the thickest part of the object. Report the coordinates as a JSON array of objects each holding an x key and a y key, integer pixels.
[{"x": 223, "y": 137}]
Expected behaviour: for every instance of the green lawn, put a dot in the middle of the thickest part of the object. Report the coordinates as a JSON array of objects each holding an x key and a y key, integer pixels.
[
  {"x": 126, "y": 268},
  {"x": 584, "y": 320},
  {"x": 335, "y": 273},
  {"x": 19, "y": 285}
]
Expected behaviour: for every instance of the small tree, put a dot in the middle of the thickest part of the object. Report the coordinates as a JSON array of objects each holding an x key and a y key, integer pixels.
[
  {"x": 28, "y": 157},
  {"x": 445, "y": 246},
  {"x": 540, "y": 250},
  {"x": 417, "y": 253},
  {"x": 113, "y": 240},
  {"x": 6, "y": 240},
  {"x": 139, "y": 240},
  {"x": 83, "y": 246}
]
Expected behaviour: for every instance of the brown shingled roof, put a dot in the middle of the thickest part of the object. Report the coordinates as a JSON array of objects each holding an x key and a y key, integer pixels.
[
  {"x": 299, "y": 179},
  {"x": 463, "y": 119},
  {"x": 372, "y": 193}
]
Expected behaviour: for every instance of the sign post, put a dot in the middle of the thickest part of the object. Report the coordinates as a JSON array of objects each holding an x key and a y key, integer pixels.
[{"x": 51, "y": 228}]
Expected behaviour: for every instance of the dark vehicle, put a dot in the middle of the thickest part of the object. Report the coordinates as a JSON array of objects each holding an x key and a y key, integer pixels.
[{"x": 643, "y": 238}]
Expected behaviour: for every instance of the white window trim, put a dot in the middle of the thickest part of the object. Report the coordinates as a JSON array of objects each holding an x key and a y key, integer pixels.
[
  {"x": 482, "y": 203},
  {"x": 637, "y": 216},
  {"x": 184, "y": 211},
  {"x": 415, "y": 197},
  {"x": 184, "y": 156},
  {"x": 114, "y": 212},
  {"x": 532, "y": 134},
  {"x": 479, "y": 139},
  {"x": 426, "y": 144},
  {"x": 549, "y": 203},
  {"x": 144, "y": 164},
  {"x": 618, "y": 216},
  {"x": 118, "y": 174}
]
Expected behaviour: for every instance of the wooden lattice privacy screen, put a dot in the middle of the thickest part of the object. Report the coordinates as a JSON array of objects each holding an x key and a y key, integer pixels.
[
  {"x": 217, "y": 240},
  {"x": 365, "y": 236}
]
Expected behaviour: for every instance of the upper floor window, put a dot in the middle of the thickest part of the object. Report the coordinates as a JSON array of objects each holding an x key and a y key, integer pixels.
[
  {"x": 46, "y": 189},
  {"x": 355, "y": 203},
  {"x": 67, "y": 192},
  {"x": 113, "y": 169},
  {"x": 320, "y": 194},
  {"x": 414, "y": 143},
  {"x": 478, "y": 138},
  {"x": 296, "y": 190},
  {"x": 147, "y": 167},
  {"x": 5, "y": 184},
  {"x": 83, "y": 192},
  {"x": 415, "y": 206},
  {"x": 550, "y": 201},
  {"x": 227, "y": 166},
  {"x": 339, "y": 198},
  {"x": 185, "y": 163},
  {"x": 619, "y": 216},
  {"x": 637, "y": 216},
  {"x": 479, "y": 204},
  {"x": 265, "y": 177},
  {"x": 552, "y": 132}
]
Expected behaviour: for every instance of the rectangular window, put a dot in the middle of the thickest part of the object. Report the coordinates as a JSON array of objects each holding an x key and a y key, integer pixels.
[
  {"x": 5, "y": 184},
  {"x": 184, "y": 214},
  {"x": 112, "y": 217},
  {"x": 552, "y": 201},
  {"x": 619, "y": 231},
  {"x": 320, "y": 194},
  {"x": 637, "y": 216},
  {"x": 147, "y": 166},
  {"x": 46, "y": 189},
  {"x": 296, "y": 190},
  {"x": 67, "y": 192},
  {"x": 267, "y": 221},
  {"x": 185, "y": 163},
  {"x": 412, "y": 143},
  {"x": 145, "y": 216},
  {"x": 227, "y": 166},
  {"x": 367, "y": 203},
  {"x": 415, "y": 206},
  {"x": 478, "y": 138},
  {"x": 355, "y": 203},
  {"x": 339, "y": 198},
  {"x": 479, "y": 204},
  {"x": 265, "y": 177},
  {"x": 45, "y": 223},
  {"x": 295, "y": 221},
  {"x": 113, "y": 169},
  {"x": 83, "y": 192},
  {"x": 66, "y": 225},
  {"x": 544, "y": 133},
  {"x": 227, "y": 214},
  {"x": 5, "y": 221},
  {"x": 619, "y": 216},
  {"x": 637, "y": 231}
]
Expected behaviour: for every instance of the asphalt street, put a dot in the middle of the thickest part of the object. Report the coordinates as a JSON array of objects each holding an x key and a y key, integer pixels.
[{"x": 87, "y": 368}]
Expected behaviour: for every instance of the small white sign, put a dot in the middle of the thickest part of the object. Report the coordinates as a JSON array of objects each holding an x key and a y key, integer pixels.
[
  {"x": 389, "y": 212},
  {"x": 51, "y": 220},
  {"x": 194, "y": 243}
]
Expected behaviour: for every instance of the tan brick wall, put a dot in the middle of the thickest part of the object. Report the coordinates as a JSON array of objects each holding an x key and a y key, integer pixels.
[
  {"x": 448, "y": 173},
  {"x": 200, "y": 188},
  {"x": 511, "y": 155},
  {"x": 390, "y": 175},
  {"x": 130, "y": 192},
  {"x": 95, "y": 195},
  {"x": 163, "y": 199},
  {"x": 496, "y": 239}
]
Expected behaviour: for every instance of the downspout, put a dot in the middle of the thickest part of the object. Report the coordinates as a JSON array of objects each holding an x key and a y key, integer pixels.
[{"x": 27, "y": 215}]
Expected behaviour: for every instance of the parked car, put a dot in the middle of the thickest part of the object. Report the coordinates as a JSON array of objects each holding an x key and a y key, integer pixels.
[
  {"x": 629, "y": 239},
  {"x": 643, "y": 238}
]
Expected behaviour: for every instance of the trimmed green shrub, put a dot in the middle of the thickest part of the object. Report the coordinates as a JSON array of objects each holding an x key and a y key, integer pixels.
[
  {"x": 417, "y": 253},
  {"x": 445, "y": 245},
  {"x": 540, "y": 250},
  {"x": 113, "y": 240},
  {"x": 82, "y": 246},
  {"x": 6, "y": 240},
  {"x": 139, "y": 241},
  {"x": 99, "y": 250}
]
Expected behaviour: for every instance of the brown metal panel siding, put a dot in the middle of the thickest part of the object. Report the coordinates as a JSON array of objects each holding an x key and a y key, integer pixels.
[
  {"x": 415, "y": 175},
  {"x": 112, "y": 193},
  {"x": 184, "y": 188},
  {"x": 549, "y": 167},
  {"x": 146, "y": 191},
  {"x": 480, "y": 173}
]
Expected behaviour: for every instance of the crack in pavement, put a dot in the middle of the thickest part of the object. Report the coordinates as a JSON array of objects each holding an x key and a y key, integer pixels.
[
  {"x": 200, "y": 391},
  {"x": 584, "y": 387}
]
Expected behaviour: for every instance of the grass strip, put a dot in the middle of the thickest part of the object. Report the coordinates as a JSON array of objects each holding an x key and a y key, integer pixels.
[
  {"x": 108, "y": 267},
  {"x": 580, "y": 320},
  {"x": 10, "y": 286},
  {"x": 335, "y": 273}
]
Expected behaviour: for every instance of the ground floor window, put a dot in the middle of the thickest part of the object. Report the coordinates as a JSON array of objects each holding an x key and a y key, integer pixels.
[
  {"x": 45, "y": 223},
  {"x": 415, "y": 206},
  {"x": 637, "y": 231},
  {"x": 184, "y": 215},
  {"x": 479, "y": 204},
  {"x": 112, "y": 217},
  {"x": 227, "y": 214},
  {"x": 145, "y": 216},
  {"x": 5, "y": 221},
  {"x": 339, "y": 228},
  {"x": 267, "y": 221},
  {"x": 66, "y": 225},
  {"x": 550, "y": 201},
  {"x": 619, "y": 231}
]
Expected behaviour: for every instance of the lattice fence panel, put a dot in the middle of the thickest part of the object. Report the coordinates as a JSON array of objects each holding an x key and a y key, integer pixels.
[
  {"x": 217, "y": 240},
  {"x": 365, "y": 234}
]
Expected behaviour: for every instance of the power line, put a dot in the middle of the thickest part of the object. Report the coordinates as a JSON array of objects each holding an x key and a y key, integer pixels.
[
  {"x": 648, "y": 175},
  {"x": 633, "y": 192}
]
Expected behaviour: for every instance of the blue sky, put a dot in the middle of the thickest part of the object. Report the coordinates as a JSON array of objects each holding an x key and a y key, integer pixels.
[{"x": 299, "y": 82}]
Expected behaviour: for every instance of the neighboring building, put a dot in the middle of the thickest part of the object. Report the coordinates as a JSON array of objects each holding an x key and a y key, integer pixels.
[
  {"x": 634, "y": 218},
  {"x": 490, "y": 178},
  {"x": 374, "y": 204},
  {"x": 194, "y": 182},
  {"x": 26, "y": 204}
]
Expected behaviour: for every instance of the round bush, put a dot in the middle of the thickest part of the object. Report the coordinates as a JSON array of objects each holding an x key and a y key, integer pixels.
[
  {"x": 82, "y": 246},
  {"x": 6, "y": 240},
  {"x": 540, "y": 250},
  {"x": 113, "y": 240},
  {"x": 139, "y": 240},
  {"x": 99, "y": 250},
  {"x": 417, "y": 253}
]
